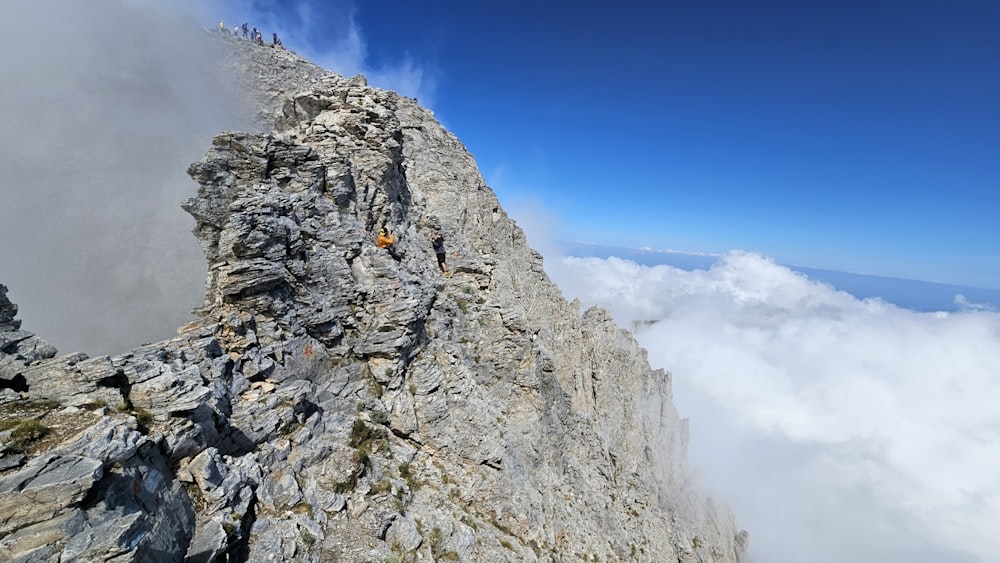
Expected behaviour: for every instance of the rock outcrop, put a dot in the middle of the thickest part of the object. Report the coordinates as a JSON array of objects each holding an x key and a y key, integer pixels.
[{"x": 334, "y": 403}]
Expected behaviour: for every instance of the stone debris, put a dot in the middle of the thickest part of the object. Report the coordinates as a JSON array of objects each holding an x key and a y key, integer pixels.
[{"x": 333, "y": 403}]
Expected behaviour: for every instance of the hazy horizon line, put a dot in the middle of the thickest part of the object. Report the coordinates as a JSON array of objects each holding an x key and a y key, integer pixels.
[{"x": 716, "y": 255}]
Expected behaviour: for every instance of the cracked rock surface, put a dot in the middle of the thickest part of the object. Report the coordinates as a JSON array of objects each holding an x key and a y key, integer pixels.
[{"x": 333, "y": 403}]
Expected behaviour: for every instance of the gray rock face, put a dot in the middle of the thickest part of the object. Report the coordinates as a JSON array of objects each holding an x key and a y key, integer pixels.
[
  {"x": 8, "y": 311},
  {"x": 44, "y": 488},
  {"x": 336, "y": 403}
]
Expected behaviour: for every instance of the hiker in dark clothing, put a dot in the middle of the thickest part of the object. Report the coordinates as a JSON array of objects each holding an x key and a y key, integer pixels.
[
  {"x": 246, "y": 30},
  {"x": 438, "y": 242},
  {"x": 276, "y": 42}
]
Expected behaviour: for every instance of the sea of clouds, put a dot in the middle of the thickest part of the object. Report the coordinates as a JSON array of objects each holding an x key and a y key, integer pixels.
[{"x": 838, "y": 429}]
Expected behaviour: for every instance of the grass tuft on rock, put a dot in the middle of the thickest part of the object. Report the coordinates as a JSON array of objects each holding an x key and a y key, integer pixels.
[{"x": 23, "y": 433}]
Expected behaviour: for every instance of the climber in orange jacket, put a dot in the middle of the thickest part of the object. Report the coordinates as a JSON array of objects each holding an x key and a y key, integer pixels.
[{"x": 386, "y": 238}]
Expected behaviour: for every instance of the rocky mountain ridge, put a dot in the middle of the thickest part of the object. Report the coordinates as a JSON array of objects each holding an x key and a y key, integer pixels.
[{"x": 332, "y": 403}]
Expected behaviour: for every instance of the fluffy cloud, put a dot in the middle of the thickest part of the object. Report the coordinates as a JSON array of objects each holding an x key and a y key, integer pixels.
[{"x": 839, "y": 429}]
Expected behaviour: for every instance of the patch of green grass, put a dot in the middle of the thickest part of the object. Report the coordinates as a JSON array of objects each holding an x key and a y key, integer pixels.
[
  {"x": 307, "y": 538},
  {"x": 302, "y": 508},
  {"x": 380, "y": 487},
  {"x": 8, "y": 423},
  {"x": 361, "y": 439},
  {"x": 30, "y": 430},
  {"x": 143, "y": 420},
  {"x": 24, "y": 433},
  {"x": 398, "y": 503},
  {"x": 94, "y": 405},
  {"x": 411, "y": 479},
  {"x": 290, "y": 428},
  {"x": 468, "y": 521},
  {"x": 501, "y": 527},
  {"x": 361, "y": 457},
  {"x": 435, "y": 540},
  {"x": 362, "y": 435},
  {"x": 48, "y": 404},
  {"x": 341, "y": 487}
]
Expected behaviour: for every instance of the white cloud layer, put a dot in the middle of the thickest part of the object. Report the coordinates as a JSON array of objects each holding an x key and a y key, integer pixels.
[{"x": 838, "y": 429}]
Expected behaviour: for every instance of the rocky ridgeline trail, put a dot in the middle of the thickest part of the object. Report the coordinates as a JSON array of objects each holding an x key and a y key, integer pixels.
[
  {"x": 263, "y": 76},
  {"x": 334, "y": 404}
]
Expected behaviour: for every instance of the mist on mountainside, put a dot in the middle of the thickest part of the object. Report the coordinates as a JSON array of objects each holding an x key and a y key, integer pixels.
[
  {"x": 103, "y": 107},
  {"x": 837, "y": 428}
]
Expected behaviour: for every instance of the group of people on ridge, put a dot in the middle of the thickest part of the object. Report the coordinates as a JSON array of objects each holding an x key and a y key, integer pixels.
[
  {"x": 387, "y": 239},
  {"x": 250, "y": 32}
]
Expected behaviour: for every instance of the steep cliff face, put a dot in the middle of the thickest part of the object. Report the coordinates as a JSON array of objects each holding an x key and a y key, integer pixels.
[{"x": 335, "y": 403}]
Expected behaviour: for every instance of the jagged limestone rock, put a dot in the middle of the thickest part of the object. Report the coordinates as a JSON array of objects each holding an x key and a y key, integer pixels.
[
  {"x": 336, "y": 403},
  {"x": 44, "y": 488}
]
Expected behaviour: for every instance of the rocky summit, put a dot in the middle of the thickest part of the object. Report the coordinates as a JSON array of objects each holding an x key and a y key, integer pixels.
[{"x": 333, "y": 402}]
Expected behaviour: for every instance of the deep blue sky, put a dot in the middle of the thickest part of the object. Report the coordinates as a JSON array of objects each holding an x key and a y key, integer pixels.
[{"x": 852, "y": 135}]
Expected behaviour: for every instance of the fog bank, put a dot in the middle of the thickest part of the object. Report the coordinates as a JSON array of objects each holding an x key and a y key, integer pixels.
[
  {"x": 837, "y": 429},
  {"x": 104, "y": 105}
]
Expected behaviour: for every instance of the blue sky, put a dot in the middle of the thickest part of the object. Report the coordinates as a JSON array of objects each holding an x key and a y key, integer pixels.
[{"x": 855, "y": 136}]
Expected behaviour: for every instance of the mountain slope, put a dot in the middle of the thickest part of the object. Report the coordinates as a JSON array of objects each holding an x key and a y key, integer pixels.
[{"x": 333, "y": 403}]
